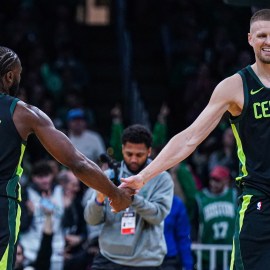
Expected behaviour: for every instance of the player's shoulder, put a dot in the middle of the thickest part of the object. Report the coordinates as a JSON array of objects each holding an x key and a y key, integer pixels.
[
  {"x": 28, "y": 109},
  {"x": 30, "y": 114},
  {"x": 229, "y": 89},
  {"x": 26, "y": 106},
  {"x": 232, "y": 82},
  {"x": 23, "y": 110}
]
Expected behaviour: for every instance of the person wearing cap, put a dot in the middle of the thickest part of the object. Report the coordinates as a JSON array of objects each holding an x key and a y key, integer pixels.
[
  {"x": 214, "y": 218},
  {"x": 87, "y": 141}
]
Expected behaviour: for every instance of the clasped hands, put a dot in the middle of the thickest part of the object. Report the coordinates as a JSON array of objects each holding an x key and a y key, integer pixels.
[{"x": 128, "y": 187}]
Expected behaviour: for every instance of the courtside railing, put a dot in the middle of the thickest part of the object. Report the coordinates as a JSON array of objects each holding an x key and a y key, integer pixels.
[{"x": 212, "y": 249}]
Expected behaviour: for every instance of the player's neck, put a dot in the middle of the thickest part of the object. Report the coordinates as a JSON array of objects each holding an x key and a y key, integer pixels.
[
  {"x": 263, "y": 72},
  {"x": 2, "y": 88}
]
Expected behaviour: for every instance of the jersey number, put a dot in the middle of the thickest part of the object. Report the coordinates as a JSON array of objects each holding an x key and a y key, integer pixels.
[{"x": 220, "y": 230}]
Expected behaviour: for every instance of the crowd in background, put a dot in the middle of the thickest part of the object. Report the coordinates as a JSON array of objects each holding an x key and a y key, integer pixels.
[{"x": 205, "y": 47}]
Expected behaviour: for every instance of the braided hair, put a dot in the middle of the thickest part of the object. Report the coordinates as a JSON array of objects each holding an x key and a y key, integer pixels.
[{"x": 8, "y": 59}]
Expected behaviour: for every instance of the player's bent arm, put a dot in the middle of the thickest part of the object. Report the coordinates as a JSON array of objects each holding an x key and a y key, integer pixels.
[
  {"x": 33, "y": 120},
  {"x": 226, "y": 97}
]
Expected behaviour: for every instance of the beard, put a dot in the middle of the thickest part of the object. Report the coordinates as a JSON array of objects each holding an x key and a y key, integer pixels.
[
  {"x": 139, "y": 168},
  {"x": 263, "y": 59},
  {"x": 14, "y": 89}
]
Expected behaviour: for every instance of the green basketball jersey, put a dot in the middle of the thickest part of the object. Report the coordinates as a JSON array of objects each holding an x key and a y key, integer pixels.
[
  {"x": 216, "y": 219},
  {"x": 252, "y": 133},
  {"x": 217, "y": 216},
  {"x": 12, "y": 149}
]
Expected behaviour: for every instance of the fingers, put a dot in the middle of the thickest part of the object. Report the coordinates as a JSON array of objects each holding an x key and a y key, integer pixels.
[
  {"x": 128, "y": 182},
  {"x": 122, "y": 185},
  {"x": 125, "y": 182},
  {"x": 123, "y": 203},
  {"x": 129, "y": 191},
  {"x": 134, "y": 182},
  {"x": 112, "y": 208}
]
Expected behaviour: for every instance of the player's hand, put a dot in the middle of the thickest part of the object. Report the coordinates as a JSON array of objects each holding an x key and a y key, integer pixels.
[
  {"x": 100, "y": 197},
  {"x": 134, "y": 182},
  {"x": 122, "y": 200}
]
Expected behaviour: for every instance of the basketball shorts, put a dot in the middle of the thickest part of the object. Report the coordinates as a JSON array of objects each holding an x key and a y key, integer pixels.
[
  {"x": 251, "y": 244},
  {"x": 10, "y": 214}
]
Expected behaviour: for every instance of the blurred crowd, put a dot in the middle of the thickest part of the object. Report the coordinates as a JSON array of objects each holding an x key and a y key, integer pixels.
[
  {"x": 205, "y": 45},
  {"x": 56, "y": 235}
]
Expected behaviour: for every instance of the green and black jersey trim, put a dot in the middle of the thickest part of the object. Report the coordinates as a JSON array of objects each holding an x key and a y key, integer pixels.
[
  {"x": 13, "y": 183},
  {"x": 236, "y": 131},
  {"x": 254, "y": 75},
  {"x": 14, "y": 221},
  {"x": 234, "y": 120},
  {"x": 236, "y": 250},
  {"x": 240, "y": 153}
]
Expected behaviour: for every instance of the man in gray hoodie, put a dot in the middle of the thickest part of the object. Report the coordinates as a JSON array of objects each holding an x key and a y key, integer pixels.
[{"x": 134, "y": 238}]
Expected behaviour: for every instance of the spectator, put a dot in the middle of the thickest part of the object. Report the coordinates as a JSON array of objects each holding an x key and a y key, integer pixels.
[
  {"x": 88, "y": 142},
  {"x": 214, "y": 220},
  {"x": 73, "y": 223},
  {"x": 93, "y": 230},
  {"x": 134, "y": 238},
  {"x": 116, "y": 132},
  {"x": 159, "y": 131},
  {"x": 226, "y": 154},
  {"x": 19, "y": 263},
  {"x": 177, "y": 235},
  {"x": 42, "y": 261},
  {"x": 34, "y": 218},
  {"x": 186, "y": 185}
]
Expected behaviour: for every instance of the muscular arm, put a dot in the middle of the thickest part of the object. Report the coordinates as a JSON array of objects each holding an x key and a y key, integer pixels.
[
  {"x": 29, "y": 119},
  {"x": 228, "y": 96}
]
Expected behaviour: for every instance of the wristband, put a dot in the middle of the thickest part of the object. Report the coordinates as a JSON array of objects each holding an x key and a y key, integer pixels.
[{"x": 98, "y": 203}]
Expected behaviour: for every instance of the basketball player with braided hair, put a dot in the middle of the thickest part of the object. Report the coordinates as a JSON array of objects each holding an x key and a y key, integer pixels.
[{"x": 17, "y": 121}]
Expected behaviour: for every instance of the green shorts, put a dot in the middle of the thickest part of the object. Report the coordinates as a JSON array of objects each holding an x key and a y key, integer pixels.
[
  {"x": 251, "y": 245},
  {"x": 10, "y": 215}
]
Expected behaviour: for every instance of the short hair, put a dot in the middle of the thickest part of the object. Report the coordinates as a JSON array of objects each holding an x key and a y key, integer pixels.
[
  {"x": 260, "y": 15},
  {"x": 41, "y": 168},
  {"x": 8, "y": 59},
  {"x": 137, "y": 134}
]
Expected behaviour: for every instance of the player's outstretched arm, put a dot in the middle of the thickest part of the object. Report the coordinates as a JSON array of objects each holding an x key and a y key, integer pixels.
[
  {"x": 29, "y": 119},
  {"x": 227, "y": 96}
]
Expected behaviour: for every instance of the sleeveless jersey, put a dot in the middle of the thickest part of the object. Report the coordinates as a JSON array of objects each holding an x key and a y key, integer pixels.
[
  {"x": 12, "y": 149},
  {"x": 217, "y": 215},
  {"x": 252, "y": 133}
]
